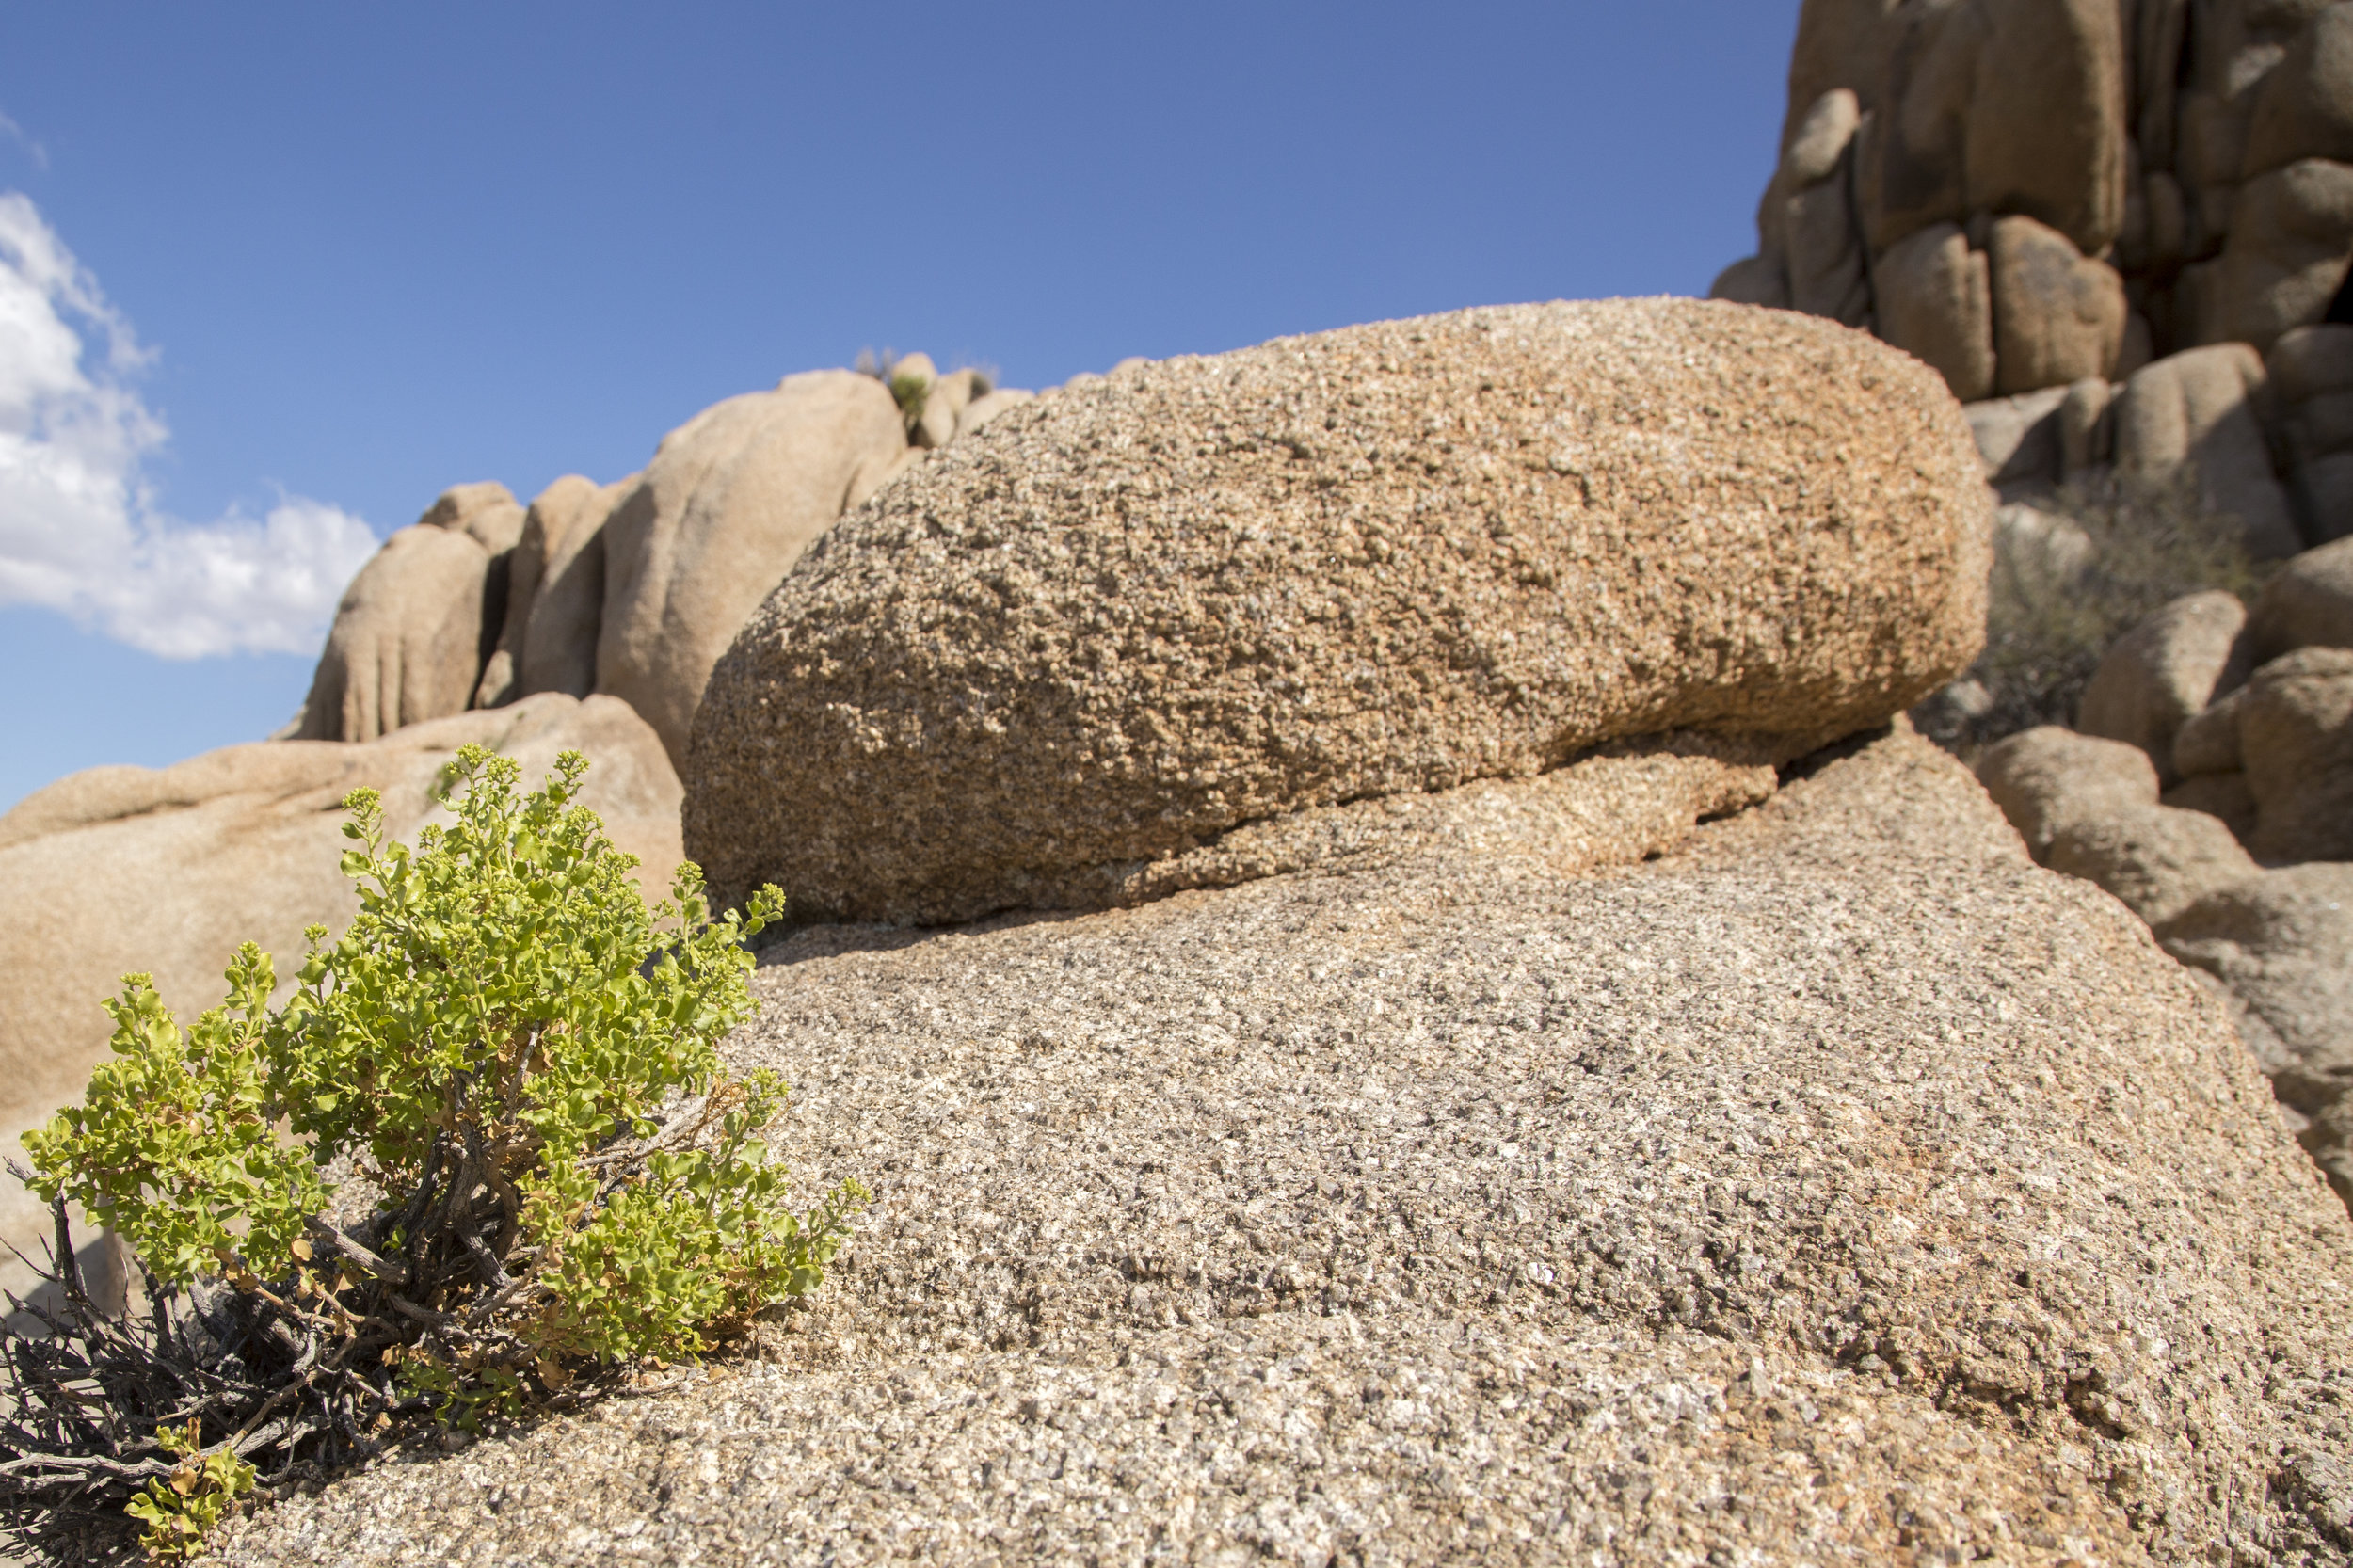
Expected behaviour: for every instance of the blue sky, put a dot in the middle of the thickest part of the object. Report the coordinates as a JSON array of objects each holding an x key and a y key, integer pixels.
[{"x": 329, "y": 260}]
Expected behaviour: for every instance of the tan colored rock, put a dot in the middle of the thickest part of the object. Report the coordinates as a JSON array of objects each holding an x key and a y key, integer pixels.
[
  {"x": 486, "y": 513},
  {"x": 2307, "y": 604},
  {"x": 2324, "y": 493},
  {"x": 1372, "y": 562},
  {"x": 2290, "y": 232},
  {"x": 2058, "y": 317},
  {"x": 1841, "y": 45},
  {"x": 1908, "y": 175},
  {"x": 1818, "y": 147},
  {"x": 2304, "y": 108},
  {"x": 982, "y": 409},
  {"x": 166, "y": 871},
  {"x": 2005, "y": 106},
  {"x": 1935, "y": 300},
  {"x": 2207, "y": 743},
  {"x": 943, "y": 404},
  {"x": 2283, "y": 945},
  {"x": 553, "y": 513},
  {"x": 1457, "y": 1210},
  {"x": 728, "y": 504},
  {"x": 2018, "y": 438},
  {"x": 2311, "y": 372},
  {"x": 2223, "y": 797},
  {"x": 559, "y": 651},
  {"x": 2166, "y": 670},
  {"x": 2047, "y": 133},
  {"x": 1829, "y": 275},
  {"x": 2191, "y": 416},
  {"x": 406, "y": 642},
  {"x": 1762, "y": 279},
  {"x": 2048, "y": 781},
  {"x": 2311, "y": 362},
  {"x": 2156, "y": 861},
  {"x": 2295, "y": 724},
  {"x": 2087, "y": 428}
]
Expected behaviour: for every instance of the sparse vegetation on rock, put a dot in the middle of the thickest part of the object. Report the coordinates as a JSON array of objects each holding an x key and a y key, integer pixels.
[{"x": 484, "y": 1150}]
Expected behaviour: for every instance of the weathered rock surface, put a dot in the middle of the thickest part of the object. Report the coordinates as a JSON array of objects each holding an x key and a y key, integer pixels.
[
  {"x": 2294, "y": 722},
  {"x": 2283, "y": 945},
  {"x": 166, "y": 871},
  {"x": 406, "y": 643},
  {"x": 2307, "y": 604},
  {"x": 2188, "y": 168},
  {"x": 2165, "y": 671},
  {"x": 2291, "y": 231},
  {"x": 1210, "y": 592},
  {"x": 559, "y": 651},
  {"x": 2190, "y": 419},
  {"x": 1840, "y": 1189},
  {"x": 2059, "y": 315},
  {"x": 2311, "y": 373},
  {"x": 2156, "y": 860},
  {"x": 544, "y": 554},
  {"x": 2048, "y": 779},
  {"x": 1935, "y": 302},
  {"x": 982, "y": 409},
  {"x": 728, "y": 504}
]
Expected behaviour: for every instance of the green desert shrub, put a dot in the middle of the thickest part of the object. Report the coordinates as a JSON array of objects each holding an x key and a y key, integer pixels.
[
  {"x": 2070, "y": 575},
  {"x": 511, "y": 1063}
]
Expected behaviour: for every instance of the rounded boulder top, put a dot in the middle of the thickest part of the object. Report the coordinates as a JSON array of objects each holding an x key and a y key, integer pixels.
[{"x": 1129, "y": 618}]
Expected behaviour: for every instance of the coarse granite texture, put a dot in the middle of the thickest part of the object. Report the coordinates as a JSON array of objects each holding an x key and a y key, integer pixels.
[
  {"x": 1838, "y": 1188},
  {"x": 1127, "y": 619}
]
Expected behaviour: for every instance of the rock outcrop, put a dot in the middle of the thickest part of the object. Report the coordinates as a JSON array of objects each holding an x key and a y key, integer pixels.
[
  {"x": 728, "y": 504},
  {"x": 2283, "y": 945},
  {"x": 1125, "y": 621},
  {"x": 166, "y": 871},
  {"x": 409, "y": 637},
  {"x": 1838, "y": 1188},
  {"x": 2104, "y": 182},
  {"x": 2165, "y": 672},
  {"x": 632, "y": 588}
]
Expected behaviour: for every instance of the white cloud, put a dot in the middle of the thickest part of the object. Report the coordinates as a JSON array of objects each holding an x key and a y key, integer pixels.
[{"x": 79, "y": 531}]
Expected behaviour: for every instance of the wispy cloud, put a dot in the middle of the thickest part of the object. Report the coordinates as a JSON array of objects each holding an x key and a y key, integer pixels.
[
  {"x": 79, "y": 530},
  {"x": 34, "y": 149}
]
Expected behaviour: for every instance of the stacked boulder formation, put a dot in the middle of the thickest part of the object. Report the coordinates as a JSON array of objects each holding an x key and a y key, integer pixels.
[
  {"x": 2208, "y": 785},
  {"x": 1407, "y": 995},
  {"x": 632, "y": 589},
  {"x": 2112, "y": 225}
]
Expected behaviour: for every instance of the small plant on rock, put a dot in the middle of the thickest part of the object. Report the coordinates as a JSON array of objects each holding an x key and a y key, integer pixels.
[{"x": 549, "y": 1174}]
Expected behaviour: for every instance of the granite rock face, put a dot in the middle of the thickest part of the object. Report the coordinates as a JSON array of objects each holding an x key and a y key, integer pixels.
[
  {"x": 168, "y": 870},
  {"x": 2283, "y": 943},
  {"x": 1839, "y": 1188},
  {"x": 2167, "y": 670},
  {"x": 728, "y": 504},
  {"x": 1131, "y": 617}
]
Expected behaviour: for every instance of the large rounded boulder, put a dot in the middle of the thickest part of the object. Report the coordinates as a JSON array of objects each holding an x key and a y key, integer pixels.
[
  {"x": 728, "y": 504},
  {"x": 1131, "y": 617}
]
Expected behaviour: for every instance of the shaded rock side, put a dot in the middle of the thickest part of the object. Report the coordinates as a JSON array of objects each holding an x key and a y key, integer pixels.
[
  {"x": 539, "y": 555},
  {"x": 1843, "y": 1167},
  {"x": 728, "y": 504},
  {"x": 166, "y": 870},
  {"x": 2295, "y": 724},
  {"x": 2049, "y": 779},
  {"x": 2309, "y": 603},
  {"x": 405, "y": 645},
  {"x": 1132, "y": 617},
  {"x": 2283, "y": 943},
  {"x": 2166, "y": 671}
]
